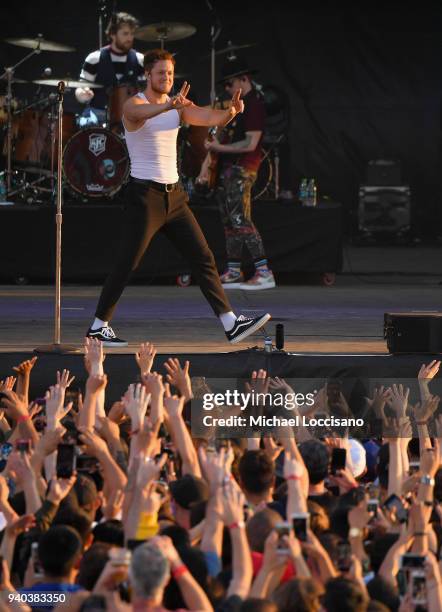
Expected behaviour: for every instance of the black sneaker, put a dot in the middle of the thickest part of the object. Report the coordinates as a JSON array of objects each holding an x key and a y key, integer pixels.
[
  {"x": 244, "y": 326},
  {"x": 107, "y": 336}
]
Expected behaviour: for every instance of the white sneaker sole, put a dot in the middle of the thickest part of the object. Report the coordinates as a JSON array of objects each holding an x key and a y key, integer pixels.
[
  {"x": 246, "y": 287},
  {"x": 231, "y": 285},
  {"x": 262, "y": 321},
  {"x": 114, "y": 344}
]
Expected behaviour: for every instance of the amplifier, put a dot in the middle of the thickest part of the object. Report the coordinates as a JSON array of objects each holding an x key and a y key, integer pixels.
[
  {"x": 413, "y": 332},
  {"x": 384, "y": 209}
]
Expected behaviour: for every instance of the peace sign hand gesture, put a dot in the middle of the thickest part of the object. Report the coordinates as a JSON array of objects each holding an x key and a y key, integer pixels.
[
  {"x": 236, "y": 103},
  {"x": 180, "y": 100}
]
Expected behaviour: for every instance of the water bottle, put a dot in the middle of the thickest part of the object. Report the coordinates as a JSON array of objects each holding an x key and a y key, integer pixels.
[
  {"x": 303, "y": 191},
  {"x": 268, "y": 344},
  {"x": 3, "y": 189},
  {"x": 311, "y": 193}
]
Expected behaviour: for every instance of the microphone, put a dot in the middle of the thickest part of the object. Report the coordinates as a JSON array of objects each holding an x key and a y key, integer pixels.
[{"x": 279, "y": 338}]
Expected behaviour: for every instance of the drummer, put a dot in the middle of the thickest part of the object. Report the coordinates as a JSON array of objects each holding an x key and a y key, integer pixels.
[{"x": 115, "y": 64}]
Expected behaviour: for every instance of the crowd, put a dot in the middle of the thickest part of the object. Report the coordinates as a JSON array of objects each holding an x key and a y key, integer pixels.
[{"x": 121, "y": 508}]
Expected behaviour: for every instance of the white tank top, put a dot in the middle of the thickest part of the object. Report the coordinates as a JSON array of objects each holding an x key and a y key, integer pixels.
[{"x": 153, "y": 149}]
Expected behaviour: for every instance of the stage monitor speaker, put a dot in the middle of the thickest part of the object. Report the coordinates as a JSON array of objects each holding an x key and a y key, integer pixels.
[
  {"x": 384, "y": 173},
  {"x": 413, "y": 332},
  {"x": 384, "y": 209}
]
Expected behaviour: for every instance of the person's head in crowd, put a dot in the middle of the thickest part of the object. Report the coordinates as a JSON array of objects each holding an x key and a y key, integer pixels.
[
  {"x": 257, "y": 476},
  {"x": 330, "y": 541},
  {"x": 195, "y": 562},
  {"x": 87, "y": 494},
  {"x": 59, "y": 551},
  {"x": 378, "y": 548},
  {"x": 180, "y": 537},
  {"x": 384, "y": 592},
  {"x": 316, "y": 456},
  {"x": 92, "y": 564},
  {"x": 298, "y": 595},
  {"x": 319, "y": 519},
  {"x": 253, "y": 604},
  {"x": 78, "y": 520},
  {"x": 187, "y": 492},
  {"x": 344, "y": 595},
  {"x": 149, "y": 574},
  {"x": 259, "y": 526},
  {"x": 109, "y": 532}
]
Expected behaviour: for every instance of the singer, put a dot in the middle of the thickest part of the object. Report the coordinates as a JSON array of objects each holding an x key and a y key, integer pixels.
[{"x": 155, "y": 201}]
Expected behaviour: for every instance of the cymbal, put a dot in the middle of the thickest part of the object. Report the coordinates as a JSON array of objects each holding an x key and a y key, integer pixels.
[
  {"x": 231, "y": 48},
  {"x": 69, "y": 83},
  {"x": 39, "y": 43},
  {"x": 166, "y": 30}
]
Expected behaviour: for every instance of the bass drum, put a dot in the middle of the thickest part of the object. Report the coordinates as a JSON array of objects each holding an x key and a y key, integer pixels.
[
  {"x": 96, "y": 162},
  {"x": 264, "y": 178}
]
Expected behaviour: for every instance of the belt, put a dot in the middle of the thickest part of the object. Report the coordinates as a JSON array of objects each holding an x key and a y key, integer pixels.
[{"x": 165, "y": 187}]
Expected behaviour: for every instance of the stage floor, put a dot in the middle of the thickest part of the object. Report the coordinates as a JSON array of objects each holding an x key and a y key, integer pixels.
[{"x": 344, "y": 319}]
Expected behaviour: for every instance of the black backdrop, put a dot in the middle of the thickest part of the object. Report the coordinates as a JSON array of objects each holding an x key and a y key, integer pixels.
[{"x": 362, "y": 80}]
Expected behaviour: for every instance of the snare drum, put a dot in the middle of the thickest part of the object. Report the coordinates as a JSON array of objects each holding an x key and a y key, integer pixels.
[{"x": 96, "y": 162}]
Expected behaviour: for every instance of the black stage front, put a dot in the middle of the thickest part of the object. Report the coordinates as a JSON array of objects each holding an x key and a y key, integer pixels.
[{"x": 296, "y": 239}]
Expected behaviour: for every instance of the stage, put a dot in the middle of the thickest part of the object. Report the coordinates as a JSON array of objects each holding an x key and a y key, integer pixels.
[{"x": 329, "y": 331}]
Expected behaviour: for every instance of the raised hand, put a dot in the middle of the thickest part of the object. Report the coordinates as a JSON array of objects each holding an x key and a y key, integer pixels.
[
  {"x": 8, "y": 383},
  {"x": 233, "y": 501},
  {"x": 49, "y": 441},
  {"x": 14, "y": 405},
  {"x": 179, "y": 377},
  {"x": 236, "y": 103},
  {"x": 180, "y": 100},
  {"x": 398, "y": 399},
  {"x": 430, "y": 460},
  {"x": 59, "y": 488},
  {"x": 24, "y": 368},
  {"x": 173, "y": 405},
  {"x": 145, "y": 357},
  {"x": 378, "y": 401},
  {"x": 136, "y": 401},
  {"x": 429, "y": 371},
  {"x": 423, "y": 411},
  {"x": 272, "y": 449},
  {"x": 93, "y": 356},
  {"x": 95, "y": 445},
  {"x": 216, "y": 466},
  {"x": 20, "y": 525},
  {"x": 149, "y": 470},
  {"x": 117, "y": 413},
  {"x": 64, "y": 379},
  {"x": 55, "y": 410},
  {"x": 153, "y": 383}
]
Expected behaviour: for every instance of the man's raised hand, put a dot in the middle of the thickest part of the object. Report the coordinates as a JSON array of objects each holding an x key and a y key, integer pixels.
[{"x": 180, "y": 100}]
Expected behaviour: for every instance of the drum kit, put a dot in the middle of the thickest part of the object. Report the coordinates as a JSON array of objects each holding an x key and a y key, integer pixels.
[{"x": 95, "y": 161}]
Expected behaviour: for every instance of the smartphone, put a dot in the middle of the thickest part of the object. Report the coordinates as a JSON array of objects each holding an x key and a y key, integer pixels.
[
  {"x": 344, "y": 556},
  {"x": 338, "y": 460},
  {"x": 413, "y": 561},
  {"x": 395, "y": 502},
  {"x": 372, "y": 506},
  {"x": 300, "y": 522},
  {"x": 66, "y": 460},
  {"x": 36, "y": 567},
  {"x": 23, "y": 446},
  {"x": 418, "y": 588},
  {"x": 282, "y": 529}
]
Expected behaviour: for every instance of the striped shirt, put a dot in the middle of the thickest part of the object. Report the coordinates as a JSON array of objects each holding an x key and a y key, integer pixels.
[{"x": 89, "y": 70}]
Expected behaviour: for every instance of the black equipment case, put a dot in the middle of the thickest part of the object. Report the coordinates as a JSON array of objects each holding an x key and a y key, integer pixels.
[{"x": 413, "y": 332}]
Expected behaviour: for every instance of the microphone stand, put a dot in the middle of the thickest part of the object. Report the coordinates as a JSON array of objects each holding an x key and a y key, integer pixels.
[
  {"x": 215, "y": 31},
  {"x": 57, "y": 347}
]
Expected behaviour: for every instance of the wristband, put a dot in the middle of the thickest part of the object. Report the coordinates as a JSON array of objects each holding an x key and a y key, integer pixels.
[
  {"x": 179, "y": 571},
  {"x": 23, "y": 417},
  {"x": 237, "y": 525},
  {"x": 294, "y": 477}
]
